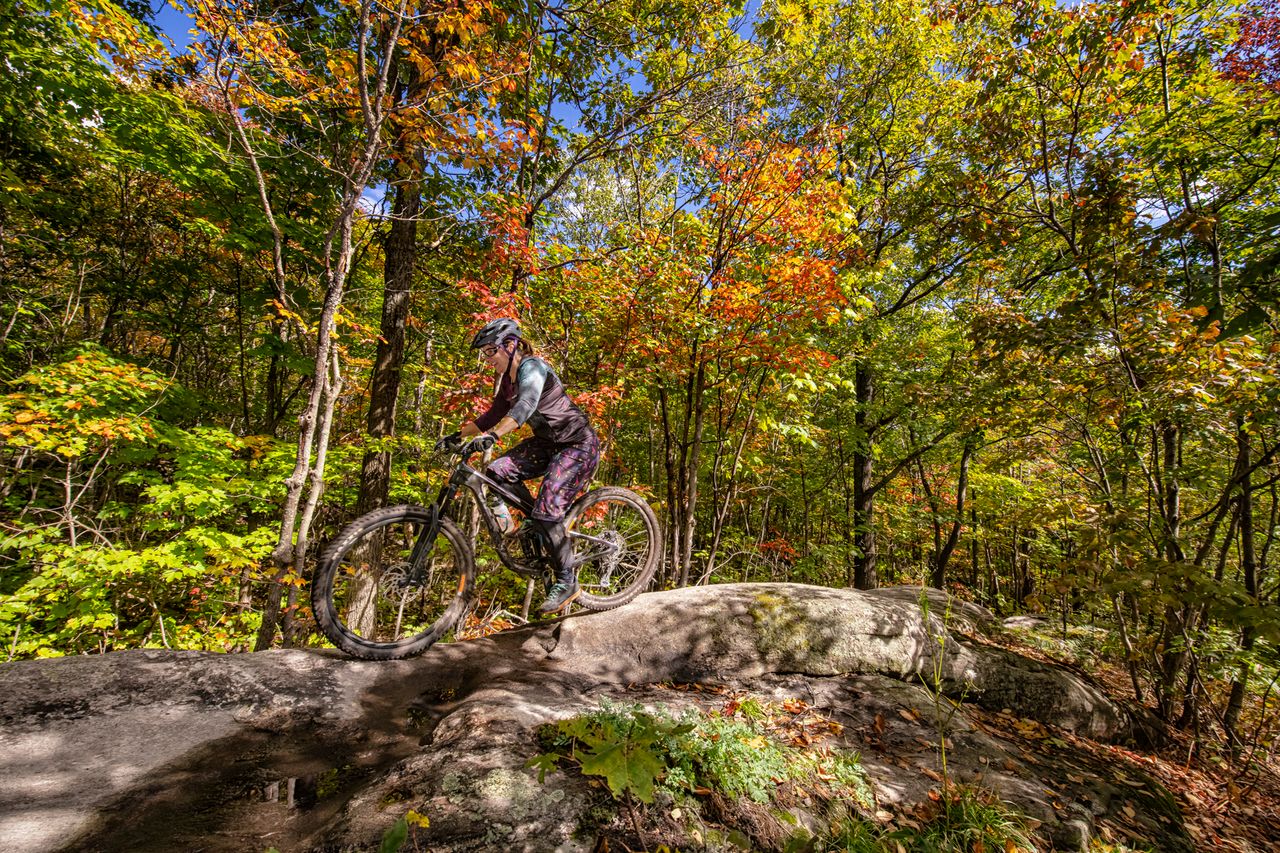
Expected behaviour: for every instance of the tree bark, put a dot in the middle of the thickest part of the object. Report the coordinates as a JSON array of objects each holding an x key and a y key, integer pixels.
[
  {"x": 1177, "y": 616},
  {"x": 692, "y": 458},
  {"x": 864, "y": 557},
  {"x": 672, "y": 476},
  {"x": 401, "y": 253},
  {"x": 943, "y": 556},
  {"x": 1249, "y": 569}
]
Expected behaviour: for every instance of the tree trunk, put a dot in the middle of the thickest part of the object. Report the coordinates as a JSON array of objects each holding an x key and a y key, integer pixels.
[
  {"x": 1249, "y": 568},
  {"x": 1177, "y": 616},
  {"x": 731, "y": 487},
  {"x": 864, "y": 557},
  {"x": 993, "y": 579},
  {"x": 313, "y": 431},
  {"x": 692, "y": 459},
  {"x": 943, "y": 557},
  {"x": 401, "y": 250},
  {"x": 669, "y": 465},
  {"x": 848, "y": 526},
  {"x": 973, "y": 546}
]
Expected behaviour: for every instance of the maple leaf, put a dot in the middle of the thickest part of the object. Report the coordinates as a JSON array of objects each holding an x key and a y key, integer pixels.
[
  {"x": 625, "y": 766},
  {"x": 545, "y": 763}
]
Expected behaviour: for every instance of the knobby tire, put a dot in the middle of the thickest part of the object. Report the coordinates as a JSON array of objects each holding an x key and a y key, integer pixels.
[
  {"x": 620, "y": 563},
  {"x": 366, "y": 563}
]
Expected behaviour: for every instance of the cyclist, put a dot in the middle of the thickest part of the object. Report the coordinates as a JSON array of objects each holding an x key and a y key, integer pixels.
[{"x": 564, "y": 450}]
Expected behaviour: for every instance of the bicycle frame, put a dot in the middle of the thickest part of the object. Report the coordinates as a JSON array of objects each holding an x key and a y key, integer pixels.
[{"x": 464, "y": 476}]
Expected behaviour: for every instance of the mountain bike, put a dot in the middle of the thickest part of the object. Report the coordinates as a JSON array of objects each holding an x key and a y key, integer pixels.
[{"x": 399, "y": 579}]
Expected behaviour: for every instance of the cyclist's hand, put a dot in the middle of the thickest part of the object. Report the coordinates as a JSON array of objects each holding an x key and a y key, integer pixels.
[
  {"x": 481, "y": 443},
  {"x": 452, "y": 441}
]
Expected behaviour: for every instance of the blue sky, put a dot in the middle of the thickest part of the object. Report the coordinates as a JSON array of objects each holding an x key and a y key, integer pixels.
[{"x": 174, "y": 24}]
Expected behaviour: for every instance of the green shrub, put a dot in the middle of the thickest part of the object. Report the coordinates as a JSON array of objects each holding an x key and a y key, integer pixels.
[
  {"x": 637, "y": 751},
  {"x": 120, "y": 528},
  {"x": 969, "y": 819}
]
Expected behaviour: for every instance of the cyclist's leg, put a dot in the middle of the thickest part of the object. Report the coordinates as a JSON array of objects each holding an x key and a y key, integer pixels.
[
  {"x": 527, "y": 460},
  {"x": 568, "y": 474}
]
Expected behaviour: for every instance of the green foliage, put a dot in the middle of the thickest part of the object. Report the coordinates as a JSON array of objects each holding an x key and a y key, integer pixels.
[
  {"x": 134, "y": 531},
  {"x": 626, "y": 746},
  {"x": 732, "y": 756},
  {"x": 82, "y": 406},
  {"x": 637, "y": 750},
  {"x": 395, "y": 837},
  {"x": 963, "y": 820},
  {"x": 968, "y": 819},
  {"x": 401, "y": 831}
]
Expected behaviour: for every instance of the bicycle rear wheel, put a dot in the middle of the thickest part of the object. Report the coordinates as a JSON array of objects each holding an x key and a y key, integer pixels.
[
  {"x": 369, "y": 599},
  {"x": 615, "y": 540}
]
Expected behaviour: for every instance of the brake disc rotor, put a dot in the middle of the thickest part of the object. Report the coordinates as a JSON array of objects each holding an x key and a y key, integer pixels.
[
  {"x": 610, "y": 555},
  {"x": 395, "y": 582}
]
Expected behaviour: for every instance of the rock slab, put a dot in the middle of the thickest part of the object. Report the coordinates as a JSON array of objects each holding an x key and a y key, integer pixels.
[{"x": 307, "y": 750}]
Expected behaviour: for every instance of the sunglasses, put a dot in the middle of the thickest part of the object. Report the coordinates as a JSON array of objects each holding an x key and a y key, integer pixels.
[{"x": 489, "y": 351}]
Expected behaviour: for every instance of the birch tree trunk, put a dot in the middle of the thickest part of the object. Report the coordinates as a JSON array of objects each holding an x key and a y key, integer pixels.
[{"x": 373, "y": 80}]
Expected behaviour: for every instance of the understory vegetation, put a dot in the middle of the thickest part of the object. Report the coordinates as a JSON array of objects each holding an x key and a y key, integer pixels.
[{"x": 757, "y": 778}]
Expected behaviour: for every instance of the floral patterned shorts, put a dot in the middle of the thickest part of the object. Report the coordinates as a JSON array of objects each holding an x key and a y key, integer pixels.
[{"x": 566, "y": 469}]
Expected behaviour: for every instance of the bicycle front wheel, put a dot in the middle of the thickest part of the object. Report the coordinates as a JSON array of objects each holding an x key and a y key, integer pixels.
[
  {"x": 371, "y": 599},
  {"x": 615, "y": 544}
]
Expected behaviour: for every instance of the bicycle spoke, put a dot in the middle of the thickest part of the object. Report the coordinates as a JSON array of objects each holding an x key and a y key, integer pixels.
[
  {"x": 378, "y": 597},
  {"x": 615, "y": 539}
]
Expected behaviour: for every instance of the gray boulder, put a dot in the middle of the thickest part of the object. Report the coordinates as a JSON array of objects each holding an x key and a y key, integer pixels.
[{"x": 306, "y": 750}]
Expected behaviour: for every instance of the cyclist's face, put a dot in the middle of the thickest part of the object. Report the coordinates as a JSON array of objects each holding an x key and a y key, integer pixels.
[{"x": 494, "y": 357}]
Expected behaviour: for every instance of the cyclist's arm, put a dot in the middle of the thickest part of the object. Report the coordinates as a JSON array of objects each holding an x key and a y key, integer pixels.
[
  {"x": 492, "y": 418},
  {"x": 532, "y": 378},
  {"x": 503, "y": 416},
  {"x": 504, "y": 426}
]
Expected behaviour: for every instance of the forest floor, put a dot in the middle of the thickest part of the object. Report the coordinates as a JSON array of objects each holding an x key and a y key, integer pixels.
[{"x": 1226, "y": 805}]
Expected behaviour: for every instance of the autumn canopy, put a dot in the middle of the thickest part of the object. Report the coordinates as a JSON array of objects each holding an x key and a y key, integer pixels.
[{"x": 980, "y": 296}]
